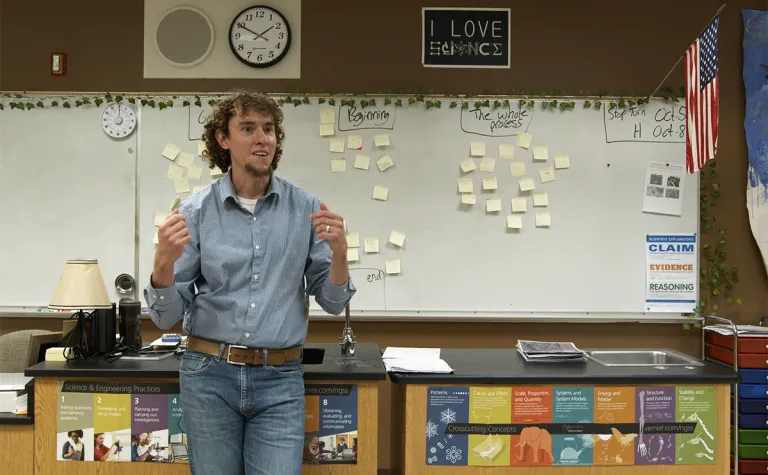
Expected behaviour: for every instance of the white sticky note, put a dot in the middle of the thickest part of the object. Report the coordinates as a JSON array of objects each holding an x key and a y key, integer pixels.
[
  {"x": 393, "y": 266},
  {"x": 487, "y": 164},
  {"x": 362, "y": 162},
  {"x": 216, "y": 172},
  {"x": 519, "y": 205},
  {"x": 194, "y": 172},
  {"x": 186, "y": 159},
  {"x": 381, "y": 140},
  {"x": 171, "y": 151},
  {"x": 182, "y": 185},
  {"x": 371, "y": 245},
  {"x": 466, "y": 185},
  {"x": 201, "y": 148},
  {"x": 326, "y": 130},
  {"x": 327, "y": 116},
  {"x": 380, "y": 192},
  {"x": 155, "y": 239},
  {"x": 562, "y": 161},
  {"x": 540, "y": 153},
  {"x": 338, "y": 164},
  {"x": 547, "y": 174},
  {"x": 198, "y": 188},
  {"x": 353, "y": 240},
  {"x": 477, "y": 149},
  {"x": 515, "y": 221},
  {"x": 526, "y": 184},
  {"x": 524, "y": 140},
  {"x": 517, "y": 168},
  {"x": 384, "y": 162},
  {"x": 468, "y": 199},
  {"x": 174, "y": 172},
  {"x": 489, "y": 183},
  {"x": 543, "y": 220},
  {"x": 493, "y": 205},
  {"x": 397, "y": 238},
  {"x": 337, "y": 145},
  {"x": 355, "y": 142},
  {"x": 353, "y": 255},
  {"x": 506, "y": 151},
  {"x": 160, "y": 218},
  {"x": 540, "y": 199},
  {"x": 467, "y": 165}
]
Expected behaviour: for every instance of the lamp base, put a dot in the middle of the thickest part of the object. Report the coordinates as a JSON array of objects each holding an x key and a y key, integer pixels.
[{"x": 80, "y": 342}]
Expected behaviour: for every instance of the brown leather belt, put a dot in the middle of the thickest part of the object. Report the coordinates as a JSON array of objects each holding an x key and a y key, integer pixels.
[{"x": 242, "y": 355}]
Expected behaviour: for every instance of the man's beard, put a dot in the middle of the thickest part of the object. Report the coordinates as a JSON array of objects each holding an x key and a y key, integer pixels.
[{"x": 253, "y": 171}]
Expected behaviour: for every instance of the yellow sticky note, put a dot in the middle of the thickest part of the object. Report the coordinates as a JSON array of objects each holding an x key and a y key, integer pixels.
[
  {"x": 355, "y": 142},
  {"x": 487, "y": 164},
  {"x": 489, "y": 183},
  {"x": 515, "y": 221},
  {"x": 160, "y": 218},
  {"x": 384, "y": 162},
  {"x": 543, "y": 220},
  {"x": 155, "y": 239},
  {"x": 526, "y": 184},
  {"x": 393, "y": 266},
  {"x": 466, "y": 186},
  {"x": 353, "y": 240},
  {"x": 170, "y": 152},
  {"x": 216, "y": 172},
  {"x": 519, "y": 205},
  {"x": 327, "y": 116},
  {"x": 547, "y": 174},
  {"x": 381, "y": 140},
  {"x": 198, "y": 188},
  {"x": 175, "y": 203},
  {"x": 517, "y": 168},
  {"x": 524, "y": 140},
  {"x": 353, "y": 255},
  {"x": 397, "y": 238},
  {"x": 540, "y": 199},
  {"x": 380, "y": 192},
  {"x": 326, "y": 130},
  {"x": 371, "y": 245},
  {"x": 337, "y": 145},
  {"x": 362, "y": 162},
  {"x": 506, "y": 151},
  {"x": 194, "y": 172},
  {"x": 186, "y": 160},
  {"x": 201, "y": 148},
  {"x": 338, "y": 164},
  {"x": 182, "y": 185},
  {"x": 493, "y": 205},
  {"x": 467, "y": 165},
  {"x": 540, "y": 153},
  {"x": 477, "y": 149},
  {"x": 174, "y": 172},
  {"x": 468, "y": 199},
  {"x": 562, "y": 161}
]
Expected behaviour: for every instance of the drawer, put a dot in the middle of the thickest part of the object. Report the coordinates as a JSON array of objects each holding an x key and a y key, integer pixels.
[
  {"x": 751, "y": 467},
  {"x": 752, "y": 421},
  {"x": 754, "y": 452},
  {"x": 751, "y": 406},
  {"x": 753, "y": 437},
  {"x": 753, "y": 391},
  {"x": 753, "y": 361},
  {"x": 754, "y": 376},
  {"x": 746, "y": 345}
]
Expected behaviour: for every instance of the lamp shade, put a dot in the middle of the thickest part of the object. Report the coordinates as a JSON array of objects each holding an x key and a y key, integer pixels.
[{"x": 81, "y": 287}]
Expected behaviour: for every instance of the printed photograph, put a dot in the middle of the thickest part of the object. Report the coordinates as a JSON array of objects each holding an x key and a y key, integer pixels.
[
  {"x": 673, "y": 180},
  {"x": 72, "y": 445},
  {"x": 655, "y": 191},
  {"x": 112, "y": 446},
  {"x": 656, "y": 179},
  {"x": 672, "y": 193}
]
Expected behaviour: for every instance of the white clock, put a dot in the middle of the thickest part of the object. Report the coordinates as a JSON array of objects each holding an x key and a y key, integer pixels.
[
  {"x": 118, "y": 120},
  {"x": 260, "y": 36}
]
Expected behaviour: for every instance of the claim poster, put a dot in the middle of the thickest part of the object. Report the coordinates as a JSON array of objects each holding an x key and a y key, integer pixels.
[{"x": 330, "y": 424}]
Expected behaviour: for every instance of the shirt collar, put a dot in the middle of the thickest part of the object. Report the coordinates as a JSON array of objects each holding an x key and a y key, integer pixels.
[{"x": 227, "y": 188}]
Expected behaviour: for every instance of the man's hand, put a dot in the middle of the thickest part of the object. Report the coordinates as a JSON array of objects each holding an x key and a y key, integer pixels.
[
  {"x": 172, "y": 236},
  {"x": 330, "y": 226}
]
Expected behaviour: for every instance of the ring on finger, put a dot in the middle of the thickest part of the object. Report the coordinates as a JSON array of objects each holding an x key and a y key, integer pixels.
[{"x": 327, "y": 228}]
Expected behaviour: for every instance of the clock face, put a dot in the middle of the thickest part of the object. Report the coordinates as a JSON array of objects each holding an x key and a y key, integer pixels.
[
  {"x": 260, "y": 36},
  {"x": 118, "y": 120}
]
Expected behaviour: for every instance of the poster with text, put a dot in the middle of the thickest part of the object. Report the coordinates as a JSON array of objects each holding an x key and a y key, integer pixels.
[
  {"x": 573, "y": 411},
  {"x": 532, "y": 407},
  {"x": 671, "y": 283},
  {"x": 447, "y": 407},
  {"x": 489, "y": 406},
  {"x": 615, "y": 411},
  {"x": 697, "y": 405},
  {"x": 654, "y": 407},
  {"x": 330, "y": 426}
]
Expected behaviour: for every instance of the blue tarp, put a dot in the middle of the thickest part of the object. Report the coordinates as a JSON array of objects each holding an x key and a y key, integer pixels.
[{"x": 756, "y": 86}]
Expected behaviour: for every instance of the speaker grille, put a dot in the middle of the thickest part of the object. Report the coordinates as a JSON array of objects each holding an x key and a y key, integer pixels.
[{"x": 184, "y": 36}]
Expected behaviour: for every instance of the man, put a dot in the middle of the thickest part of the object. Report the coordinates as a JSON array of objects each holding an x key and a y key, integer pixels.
[{"x": 232, "y": 262}]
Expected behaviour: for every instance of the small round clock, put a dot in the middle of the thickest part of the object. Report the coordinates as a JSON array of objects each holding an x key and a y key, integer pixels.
[
  {"x": 118, "y": 120},
  {"x": 260, "y": 36}
]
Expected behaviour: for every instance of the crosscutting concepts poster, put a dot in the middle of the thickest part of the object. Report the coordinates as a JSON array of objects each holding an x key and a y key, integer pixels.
[
  {"x": 671, "y": 272},
  {"x": 663, "y": 188},
  {"x": 330, "y": 425},
  {"x": 578, "y": 426}
]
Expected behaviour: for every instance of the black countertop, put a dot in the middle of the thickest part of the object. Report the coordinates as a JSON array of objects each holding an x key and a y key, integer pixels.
[
  {"x": 507, "y": 366},
  {"x": 322, "y": 361}
]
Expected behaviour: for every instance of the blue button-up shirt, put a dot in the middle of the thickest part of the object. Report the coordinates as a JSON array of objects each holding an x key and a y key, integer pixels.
[{"x": 241, "y": 279}]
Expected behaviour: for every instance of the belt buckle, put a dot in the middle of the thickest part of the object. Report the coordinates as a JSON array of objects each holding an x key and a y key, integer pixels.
[{"x": 229, "y": 354}]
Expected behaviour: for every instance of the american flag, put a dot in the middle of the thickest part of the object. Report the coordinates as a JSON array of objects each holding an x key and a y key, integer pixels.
[{"x": 702, "y": 95}]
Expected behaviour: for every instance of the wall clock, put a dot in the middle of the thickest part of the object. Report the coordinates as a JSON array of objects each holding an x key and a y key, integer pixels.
[
  {"x": 118, "y": 120},
  {"x": 260, "y": 36}
]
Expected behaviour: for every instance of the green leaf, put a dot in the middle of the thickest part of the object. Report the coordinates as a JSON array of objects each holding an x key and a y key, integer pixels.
[
  {"x": 332, "y": 102},
  {"x": 98, "y": 102},
  {"x": 706, "y": 246},
  {"x": 185, "y": 104},
  {"x": 321, "y": 100},
  {"x": 506, "y": 102},
  {"x": 522, "y": 102},
  {"x": 399, "y": 103},
  {"x": 587, "y": 104},
  {"x": 363, "y": 103},
  {"x": 296, "y": 102},
  {"x": 496, "y": 104},
  {"x": 453, "y": 105},
  {"x": 465, "y": 105},
  {"x": 371, "y": 102},
  {"x": 598, "y": 105},
  {"x": 686, "y": 326},
  {"x": 86, "y": 101},
  {"x": 716, "y": 292},
  {"x": 78, "y": 103},
  {"x": 411, "y": 100},
  {"x": 169, "y": 103},
  {"x": 2, "y": 107},
  {"x": 162, "y": 105},
  {"x": 738, "y": 300},
  {"x": 40, "y": 104},
  {"x": 66, "y": 105},
  {"x": 108, "y": 97},
  {"x": 305, "y": 100}
]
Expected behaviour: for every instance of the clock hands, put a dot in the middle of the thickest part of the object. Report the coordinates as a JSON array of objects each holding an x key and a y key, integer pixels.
[
  {"x": 265, "y": 31},
  {"x": 257, "y": 34}
]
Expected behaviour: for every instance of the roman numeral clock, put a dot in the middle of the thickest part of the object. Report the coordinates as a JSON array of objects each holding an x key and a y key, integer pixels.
[{"x": 260, "y": 36}]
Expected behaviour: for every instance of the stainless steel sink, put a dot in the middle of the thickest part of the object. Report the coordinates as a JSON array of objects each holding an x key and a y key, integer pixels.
[{"x": 642, "y": 357}]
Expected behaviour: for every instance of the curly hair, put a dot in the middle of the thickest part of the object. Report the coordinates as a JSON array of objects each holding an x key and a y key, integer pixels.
[{"x": 240, "y": 104}]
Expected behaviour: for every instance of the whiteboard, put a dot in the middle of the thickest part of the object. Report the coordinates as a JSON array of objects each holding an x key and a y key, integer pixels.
[
  {"x": 67, "y": 190},
  {"x": 458, "y": 259}
]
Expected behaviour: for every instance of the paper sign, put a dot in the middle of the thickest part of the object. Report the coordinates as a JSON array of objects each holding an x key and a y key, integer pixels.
[
  {"x": 362, "y": 162},
  {"x": 515, "y": 221},
  {"x": 477, "y": 149},
  {"x": 170, "y": 152},
  {"x": 371, "y": 245},
  {"x": 663, "y": 188},
  {"x": 327, "y": 130},
  {"x": 326, "y": 116},
  {"x": 547, "y": 174},
  {"x": 562, "y": 161},
  {"x": 543, "y": 220},
  {"x": 353, "y": 240},
  {"x": 338, "y": 164},
  {"x": 397, "y": 238},
  {"x": 487, "y": 164},
  {"x": 355, "y": 142},
  {"x": 393, "y": 266},
  {"x": 380, "y": 192},
  {"x": 467, "y": 165},
  {"x": 493, "y": 205},
  {"x": 353, "y": 254},
  {"x": 186, "y": 159},
  {"x": 337, "y": 145},
  {"x": 517, "y": 168},
  {"x": 381, "y": 140},
  {"x": 519, "y": 205},
  {"x": 466, "y": 185},
  {"x": 540, "y": 199},
  {"x": 468, "y": 199},
  {"x": 524, "y": 140},
  {"x": 540, "y": 153},
  {"x": 506, "y": 151},
  {"x": 384, "y": 162},
  {"x": 489, "y": 183},
  {"x": 526, "y": 184}
]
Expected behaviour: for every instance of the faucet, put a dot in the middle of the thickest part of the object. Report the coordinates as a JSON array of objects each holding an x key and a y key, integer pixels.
[{"x": 347, "y": 337}]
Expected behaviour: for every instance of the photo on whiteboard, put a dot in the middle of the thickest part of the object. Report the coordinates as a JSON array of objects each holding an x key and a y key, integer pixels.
[{"x": 664, "y": 188}]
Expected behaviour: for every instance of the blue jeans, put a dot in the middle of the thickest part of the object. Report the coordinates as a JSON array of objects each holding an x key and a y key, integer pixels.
[{"x": 242, "y": 419}]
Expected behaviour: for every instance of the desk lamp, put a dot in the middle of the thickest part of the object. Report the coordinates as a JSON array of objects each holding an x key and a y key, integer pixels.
[{"x": 81, "y": 286}]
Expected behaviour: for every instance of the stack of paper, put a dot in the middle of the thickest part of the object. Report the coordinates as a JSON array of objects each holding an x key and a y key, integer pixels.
[
  {"x": 414, "y": 360},
  {"x": 753, "y": 331},
  {"x": 550, "y": 352}
]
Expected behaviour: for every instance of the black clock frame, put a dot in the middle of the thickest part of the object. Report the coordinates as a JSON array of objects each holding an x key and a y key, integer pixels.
[{"x": 274, "y": 61}]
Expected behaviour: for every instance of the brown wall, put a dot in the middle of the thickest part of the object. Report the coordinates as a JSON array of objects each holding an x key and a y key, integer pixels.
[{"x": 375, "y": 46}]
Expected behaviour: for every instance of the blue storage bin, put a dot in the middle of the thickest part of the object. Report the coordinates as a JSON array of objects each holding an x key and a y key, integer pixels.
[{"x": 754, "y": 376}]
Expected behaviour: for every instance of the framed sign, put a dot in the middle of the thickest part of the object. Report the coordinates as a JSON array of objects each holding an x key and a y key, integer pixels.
[{"x": 466, "y": 37}]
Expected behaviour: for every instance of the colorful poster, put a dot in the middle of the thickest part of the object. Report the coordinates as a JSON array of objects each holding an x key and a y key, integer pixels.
[
  {"x": 447, "y": 407},
  {"x": 74, "y": 440},
  {"x": 112, "y": 427},
  {"x": 671, "y": 273},
  {"x": 615, "y": 410},
  {"x": 489, "y": 405},
  {"x": 573, "y": 411},
  {"x": 330, "y": 429},
  {"x": 654, "y": 407},
  {"x": 697, "y": 405},
  {"x": 532, "y": 407}
]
